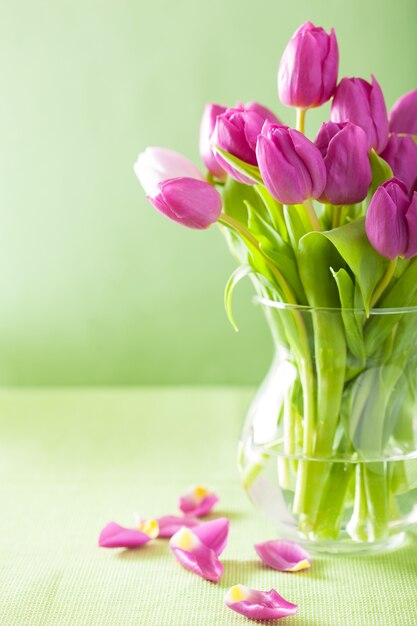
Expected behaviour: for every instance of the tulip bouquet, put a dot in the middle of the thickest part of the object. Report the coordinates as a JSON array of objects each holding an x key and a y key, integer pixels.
[{"x": 327, "y": 232}]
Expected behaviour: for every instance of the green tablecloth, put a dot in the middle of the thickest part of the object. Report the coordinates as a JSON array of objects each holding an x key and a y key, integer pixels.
[{"x": 73, "y": 460}]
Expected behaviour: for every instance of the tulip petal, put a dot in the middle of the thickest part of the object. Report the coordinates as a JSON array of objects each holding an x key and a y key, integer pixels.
[
  {"x": 116, "y": 536},
  {"x": 258, "y": 604},
  {"x": 197, "y": 502},
  {"x": 403, "y": 117},
  {"x": 208, "y": 122},
  {"x": 411, "y": 218},
  {"x": 213, "y": 534},
  {"x": 195, "y": 556},
  {"x": 170, "y": 524},
  {"x": 344, "y": 147},
  {"x": 401, "y": 154},
  {"x": 155, "y": 165},
  {"x": 285, "y": 556}
]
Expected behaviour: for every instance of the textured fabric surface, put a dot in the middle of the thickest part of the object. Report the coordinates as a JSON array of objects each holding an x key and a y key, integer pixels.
[{"x": 71, "y": 461}]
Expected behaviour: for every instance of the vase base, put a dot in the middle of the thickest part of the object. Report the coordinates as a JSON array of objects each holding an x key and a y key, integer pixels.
[{"x": 352, "y": 548}]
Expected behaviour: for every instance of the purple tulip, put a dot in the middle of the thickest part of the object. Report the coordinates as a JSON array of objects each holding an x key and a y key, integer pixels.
[
  {"x": 362, "y": 103},
  {"x": 401, "y": 154},
  {"x": 176, "y": 188},
  {"x": 391, "y": 221},
  {"x": 208, "y": 122},
  {"x": 308, "y": 69},
  {"x": 403, "y": 116},
  {"x": 236, "y": 132},
  {"x": 344, "y": 148},
  {"x": 291, "y": 165}
]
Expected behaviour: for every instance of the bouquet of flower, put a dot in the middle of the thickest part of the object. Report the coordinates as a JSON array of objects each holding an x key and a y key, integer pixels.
[{"x": 322, "y": 226}]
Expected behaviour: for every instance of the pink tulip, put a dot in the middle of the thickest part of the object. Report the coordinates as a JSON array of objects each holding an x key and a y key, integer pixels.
[
  {"x": 177, "y": 189},
  {"x": 401, "y": 154},
  {"x": 236, "y": 132},
  {"x": 363, "y": 104},
  {"x": 403, "y": 116},
  {"x": 308, "y": 69},
  {"x": 208, "y": 122},
  {"x": 344, "y": 148},
  {"x": 291, "y": 166},
  {"x": 391, "y": 220}
]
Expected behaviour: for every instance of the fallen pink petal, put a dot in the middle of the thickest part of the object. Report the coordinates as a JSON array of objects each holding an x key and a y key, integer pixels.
[
  {"x": 170, "y": 524},
  {"x": 198, "y": 501},
  {"x": 285, "y": 556},
  {"x": 214, "y": 534},
  {"x": 195, "y": 556},
  {"x": 115, "y": 536},
  {"x": 258, "y": 604}
]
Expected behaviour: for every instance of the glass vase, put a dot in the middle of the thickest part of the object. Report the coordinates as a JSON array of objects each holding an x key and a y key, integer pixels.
[{"x": 328, "y": 451}]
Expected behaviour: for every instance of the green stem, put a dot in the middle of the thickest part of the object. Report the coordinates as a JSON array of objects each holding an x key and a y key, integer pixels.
[
  {"x": 300, "y": 125},
  {"x": 384, "y": 282},
  {"x": 304, "y": 359},
  {"x": 330, "y": 513},
  {"x": 284, "y": 462},
  {"x": 314, "y": 220},
  {"x": 337, "y": 216},
  {"x": 358, "y": 524},
  {"x": 302, "y": 350},
  {"x": 376, "y": 488},
  {"x": 301, "y": 117}
]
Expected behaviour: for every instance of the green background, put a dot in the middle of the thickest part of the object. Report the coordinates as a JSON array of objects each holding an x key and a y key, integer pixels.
[{"x": 95, "y": 286}]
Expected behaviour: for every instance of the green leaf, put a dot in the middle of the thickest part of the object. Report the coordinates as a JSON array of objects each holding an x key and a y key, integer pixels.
[
  {"x": 353, "y": 328},
  {"x": 278, "y": 250},
  {"x": 234, "y": 197},
  {"x": 402, "y": 294},
  {"x": 297, "y": 223},
  {"x": 381, "y": 172},
  {"x": 316, "y": 255},
  {"x": 235, "y": 278},
  {"x": 365, "y": 263},
  {"x": 250, "y": 171},
  {"x": 275, "y": 210}
]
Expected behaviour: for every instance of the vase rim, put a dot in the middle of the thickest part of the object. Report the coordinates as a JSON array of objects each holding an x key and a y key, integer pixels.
[{"x": 273, "y": 304}]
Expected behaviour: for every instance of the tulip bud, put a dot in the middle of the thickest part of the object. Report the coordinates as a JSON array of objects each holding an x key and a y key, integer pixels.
[
  {"x": 344, "y": 148},
  {"x": 291, "y": 166},
  {"x": 308, "y": 69},
  {"x": 391, "y": 221},
  {"x": 362, "y": 103},
  {"x": 177, "y": 189},
  {"x": 401, "y": 154},
  {"x": 208, "y": 122},
  {"x": 403, "y": 116},
  {"x": 236, "y": 132}
]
